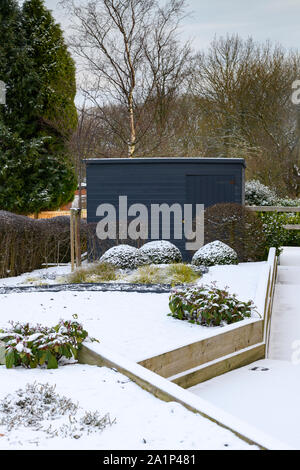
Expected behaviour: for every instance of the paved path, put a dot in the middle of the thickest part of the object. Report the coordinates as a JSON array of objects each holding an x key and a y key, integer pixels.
[
  {"x": 285, "y": 324},
  {"x": 266, "y": 393}
]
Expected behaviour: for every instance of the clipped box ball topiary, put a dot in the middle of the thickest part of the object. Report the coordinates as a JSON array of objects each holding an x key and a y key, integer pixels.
[
  {"x": 215, "y": 253},
  {"x": 124, "y": 257},
  {"x": 161, "y": 252}
]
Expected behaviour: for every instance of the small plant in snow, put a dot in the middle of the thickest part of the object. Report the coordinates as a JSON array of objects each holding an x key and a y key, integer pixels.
[
  {"x": 124, "y": 257},
  {"x": 215, "y": 253},
  {"x": 257, "y": 194},
  {"x": 38, "y": 405},
  {"x": 31, "y": 346},
  {"x": 161, "y": 252},
  {"x": 208, "y": 305}
]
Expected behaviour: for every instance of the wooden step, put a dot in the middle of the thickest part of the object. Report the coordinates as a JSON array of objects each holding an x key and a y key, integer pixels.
[{"x": 207, "y": 371}]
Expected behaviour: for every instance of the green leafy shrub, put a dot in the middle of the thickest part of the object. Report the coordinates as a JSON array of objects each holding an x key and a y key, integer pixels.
[
  {"x": 31, "y": 346},
  {"x": 208, "y": 305},
  {"x": 275, "y": 233},
  {"x": 95, "y": 272}
]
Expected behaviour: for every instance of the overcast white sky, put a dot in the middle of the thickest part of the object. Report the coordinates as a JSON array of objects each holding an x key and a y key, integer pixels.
[{"x": 277, "y": 20}]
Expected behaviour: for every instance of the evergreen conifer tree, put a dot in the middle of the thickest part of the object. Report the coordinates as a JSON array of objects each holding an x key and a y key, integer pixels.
[{"x": 35, "y": 169}]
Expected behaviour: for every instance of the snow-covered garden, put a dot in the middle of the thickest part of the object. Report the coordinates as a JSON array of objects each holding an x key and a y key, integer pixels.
[{"x": 93, "y": 407}]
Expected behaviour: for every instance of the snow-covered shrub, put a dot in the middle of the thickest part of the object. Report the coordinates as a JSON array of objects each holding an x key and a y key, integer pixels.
[
  {"x": 257, "y": 194},
  {"x": 236, "y": 226},
  {"x": 38, "y": 406},
  {"x": 161, "y": 252},
  {"x": 288, "y": 202},
  {"x": 30, "y": 346},
  {"x": 124, "y": 257},
  {"x": 215, "y": 253},
  {"x": 208, "y": 305}
]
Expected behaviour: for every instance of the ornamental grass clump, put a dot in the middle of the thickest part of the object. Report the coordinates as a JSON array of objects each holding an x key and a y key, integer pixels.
[
  {"x": 181, "y": 273},
  {"x": 173, "y": 274},
  {"x": 208, "y": 306},
  {"x": 95, "y": 272},
  {"x": 32, "y": 346}
]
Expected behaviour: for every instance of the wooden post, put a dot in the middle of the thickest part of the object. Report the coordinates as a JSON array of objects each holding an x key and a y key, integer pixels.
[
  {"x": 72, "y": 238},
  {"x": 77, "y": 238}
]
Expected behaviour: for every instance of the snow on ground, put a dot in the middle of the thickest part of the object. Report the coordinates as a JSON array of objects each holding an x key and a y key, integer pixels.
[
  {"x": 142, "y": 421},
  {"x": 48, "y": 275},
  {"x": 265, "y": 394},
  {"x": 242, "y": 279},
  {"x": 134, "y": 324}
]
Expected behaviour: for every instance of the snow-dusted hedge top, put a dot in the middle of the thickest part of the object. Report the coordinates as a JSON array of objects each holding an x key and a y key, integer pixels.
[
  {"x": 257, "y": 194},
  {"x": 215, "y": 253},
  {"x": 124, "y": 257},
  {"x": 161, "y": 252}
]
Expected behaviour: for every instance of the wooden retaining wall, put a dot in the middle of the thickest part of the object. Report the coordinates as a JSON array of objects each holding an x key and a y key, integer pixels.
[
  {"x": 218, "y": 354},
  {"x": 206, "y": 350}
]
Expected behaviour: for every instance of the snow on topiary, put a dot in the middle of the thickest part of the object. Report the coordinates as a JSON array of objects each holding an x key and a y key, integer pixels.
[
  {"x": 161, "y": 252},
  {"x": 215, "y": 253},
  {"x": 124, "y": 257},
  {"x": 257, "y": 194}
]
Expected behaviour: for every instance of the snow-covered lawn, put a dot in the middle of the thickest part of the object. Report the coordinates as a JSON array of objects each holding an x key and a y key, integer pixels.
[
  {"x": 142, "y": 421},
  {"x": 134, "y": 324}
]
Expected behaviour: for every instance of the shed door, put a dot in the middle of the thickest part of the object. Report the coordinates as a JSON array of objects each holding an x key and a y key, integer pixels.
[{"x": 210, "y": 189}]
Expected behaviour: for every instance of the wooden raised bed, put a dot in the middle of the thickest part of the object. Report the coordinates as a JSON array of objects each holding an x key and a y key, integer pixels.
[
  {"x": 241, "y": 345},
  {"x": 206, "y": 350}
]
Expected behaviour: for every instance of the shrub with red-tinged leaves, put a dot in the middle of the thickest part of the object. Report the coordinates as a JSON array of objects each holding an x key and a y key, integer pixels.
[
  {"x": 208, "y": 306},
  {"x": 33, "y": 346}
]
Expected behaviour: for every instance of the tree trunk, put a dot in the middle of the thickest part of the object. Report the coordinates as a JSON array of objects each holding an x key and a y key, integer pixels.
[{"x": 131, "y": 143}]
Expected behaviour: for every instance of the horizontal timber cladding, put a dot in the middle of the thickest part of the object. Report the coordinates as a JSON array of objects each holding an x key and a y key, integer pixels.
[{"x": 164, "y": 180}]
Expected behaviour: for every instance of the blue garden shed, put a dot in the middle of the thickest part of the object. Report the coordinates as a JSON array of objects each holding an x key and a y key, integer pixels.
[{"x": 169, "y": 181}]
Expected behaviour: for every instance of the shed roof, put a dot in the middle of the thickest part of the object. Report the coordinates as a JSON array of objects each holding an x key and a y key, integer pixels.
[{"x": 99, "y": 161}]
